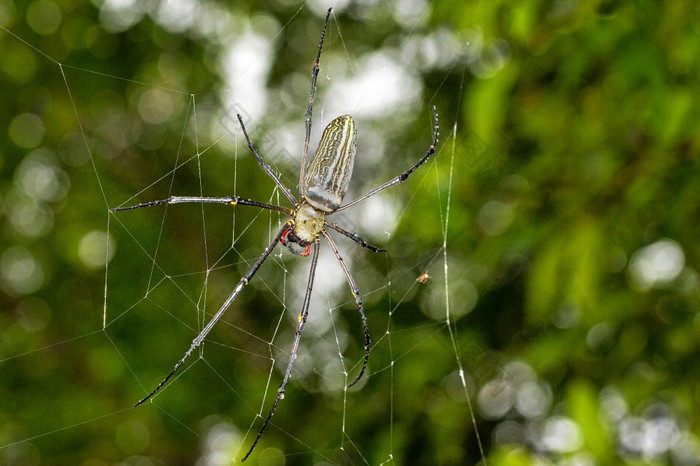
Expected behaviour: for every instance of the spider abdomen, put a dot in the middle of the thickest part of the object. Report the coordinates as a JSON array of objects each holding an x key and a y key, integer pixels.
[{"x": 329, "y": 172}]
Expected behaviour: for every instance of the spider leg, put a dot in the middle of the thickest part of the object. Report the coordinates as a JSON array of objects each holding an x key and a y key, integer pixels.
[
  {"x": 402, "y": 177},
  {"x": 354, "y": 237},
  {"x": 264, "y": 164},
  {"x": 358, "y": 300},
  {"x": 309, "y": 110},
  {"x": 295, "y": 346},
  {"x": 236, "y": 291},
  {"x": 235, "y": 200}
]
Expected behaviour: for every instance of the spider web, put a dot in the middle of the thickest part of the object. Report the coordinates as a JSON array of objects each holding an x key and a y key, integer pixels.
[{"x": 167, "y": 269}]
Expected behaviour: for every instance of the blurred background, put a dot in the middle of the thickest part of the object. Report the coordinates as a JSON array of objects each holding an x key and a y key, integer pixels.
[{"x": 558, "y": 322}]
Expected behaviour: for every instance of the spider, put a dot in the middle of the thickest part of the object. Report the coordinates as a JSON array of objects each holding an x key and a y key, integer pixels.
[{"x": 322, "y": 187}]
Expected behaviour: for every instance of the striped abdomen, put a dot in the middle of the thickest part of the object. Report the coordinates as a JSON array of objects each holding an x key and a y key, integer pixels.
[{"x": 328, "y": 174}]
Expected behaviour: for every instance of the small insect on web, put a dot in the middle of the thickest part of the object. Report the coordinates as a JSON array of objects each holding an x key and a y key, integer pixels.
[{"x": 322, "y": 187}]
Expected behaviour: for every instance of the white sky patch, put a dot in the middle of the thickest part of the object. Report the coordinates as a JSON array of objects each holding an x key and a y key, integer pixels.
[
  {"x": 246, "y": 64},
  {"x": 656, "y": 265},
  {"x": 378, "y": 218},
  {"x": 533, "y": 399},
  {"x": 651, "y": 437},
  {"x": 119, "y": 15},
  {"x": 329, "y": 284},
  {"x": 440, "y": 48},
  {"x": 221, "y": 438},
  {"x": 321, "y": 6},
  {"x": 212, "y": 21},
  {"x": 382, "y": 86},
  {"x": 177, "y": 15},
  {"x": 411, "y": 13},
  {"x": 558, "y": 434},
  {"x": 281, "y": 146}
]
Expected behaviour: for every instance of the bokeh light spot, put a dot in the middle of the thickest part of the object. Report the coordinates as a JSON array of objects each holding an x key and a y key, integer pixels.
[
  {"x": 95, "y": 250},
  {"x": 26, "y": 130},
  {"x": 44, "y": 16},
  {"x": 39, "y": 176},
  {"x": 18, "y": 63},
  {"x": 20, "y": 272},
  {"x": 656, "y": 265}
]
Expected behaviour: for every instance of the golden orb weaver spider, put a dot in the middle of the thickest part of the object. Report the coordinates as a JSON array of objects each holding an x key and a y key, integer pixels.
[{"x": 322, "y": 187}]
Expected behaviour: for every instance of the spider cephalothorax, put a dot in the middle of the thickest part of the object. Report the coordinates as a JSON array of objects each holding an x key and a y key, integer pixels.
[{"x": 304, "y": 228}]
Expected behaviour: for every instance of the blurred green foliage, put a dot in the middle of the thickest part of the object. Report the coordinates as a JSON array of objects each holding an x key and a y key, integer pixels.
[{"x": 569, "y": 150}]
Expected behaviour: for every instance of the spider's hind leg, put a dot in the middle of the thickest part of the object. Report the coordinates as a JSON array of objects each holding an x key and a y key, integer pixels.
[{"x": 358, "y": 301}]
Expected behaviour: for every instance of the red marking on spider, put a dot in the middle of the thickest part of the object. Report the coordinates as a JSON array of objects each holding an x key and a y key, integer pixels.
[{"x": 283, "y": 240}]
